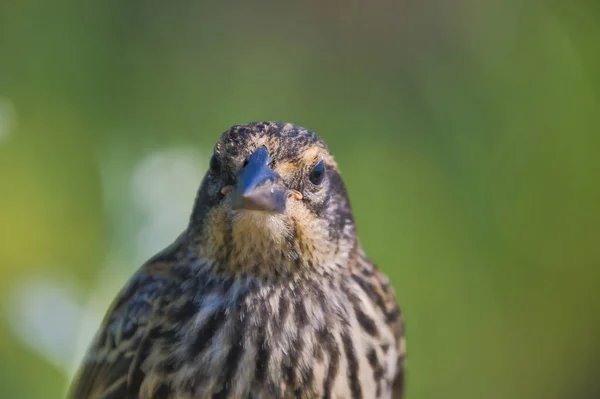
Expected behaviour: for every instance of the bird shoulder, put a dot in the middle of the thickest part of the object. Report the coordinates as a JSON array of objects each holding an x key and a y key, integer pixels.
[{"x": 110, "y": 367}]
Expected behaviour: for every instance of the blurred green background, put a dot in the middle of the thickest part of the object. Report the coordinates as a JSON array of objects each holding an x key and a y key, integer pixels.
[{"x": 467, "y": 132}]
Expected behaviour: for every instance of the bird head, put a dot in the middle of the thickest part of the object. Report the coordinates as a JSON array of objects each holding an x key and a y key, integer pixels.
[{"x": 272, "y": 202}]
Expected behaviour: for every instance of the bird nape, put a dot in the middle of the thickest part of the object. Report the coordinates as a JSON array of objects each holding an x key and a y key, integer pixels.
[{"x": 266, "y": 294}]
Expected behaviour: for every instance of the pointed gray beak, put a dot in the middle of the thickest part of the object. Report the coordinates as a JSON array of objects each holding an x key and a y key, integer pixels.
[{"x": 258, "y": 187}]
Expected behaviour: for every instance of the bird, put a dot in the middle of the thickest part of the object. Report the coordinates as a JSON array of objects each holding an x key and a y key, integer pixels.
[{"x": 266, "y": 294}]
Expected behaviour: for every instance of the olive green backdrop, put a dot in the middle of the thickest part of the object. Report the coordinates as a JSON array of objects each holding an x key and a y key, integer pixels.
[{"x": 467, "y": 131}]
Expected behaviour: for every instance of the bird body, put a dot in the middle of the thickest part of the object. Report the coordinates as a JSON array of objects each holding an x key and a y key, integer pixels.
[{"x": 267, "y": 294}]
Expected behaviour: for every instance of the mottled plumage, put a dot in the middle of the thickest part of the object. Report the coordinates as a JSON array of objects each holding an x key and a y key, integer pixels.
[{"x": 266, "y": 294}]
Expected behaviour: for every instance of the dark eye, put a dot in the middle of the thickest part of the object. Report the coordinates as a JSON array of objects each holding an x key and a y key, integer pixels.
[
  {"x": 317, "y": 174},
  {"x": 214, "y": 164}
]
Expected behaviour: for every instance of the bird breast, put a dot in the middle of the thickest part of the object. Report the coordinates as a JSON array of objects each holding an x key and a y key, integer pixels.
[{"x": 300, "y": 338}]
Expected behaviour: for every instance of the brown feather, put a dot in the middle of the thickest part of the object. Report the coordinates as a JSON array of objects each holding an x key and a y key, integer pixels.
[{"x": 116, "y": 351}]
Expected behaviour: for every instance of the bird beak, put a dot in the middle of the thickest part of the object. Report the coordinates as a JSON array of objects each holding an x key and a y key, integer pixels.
[{"x": 258, "y": 187}]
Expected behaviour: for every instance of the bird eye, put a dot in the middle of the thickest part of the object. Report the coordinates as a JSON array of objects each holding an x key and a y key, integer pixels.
[
  {"x": 214, "y": 164},
  {"x": 317, "y": 174}
]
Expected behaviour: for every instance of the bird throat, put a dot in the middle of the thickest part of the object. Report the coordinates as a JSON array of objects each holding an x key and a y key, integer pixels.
[
  {"x": 261, "y": 239},
  {"x": 267, "y": 245}
]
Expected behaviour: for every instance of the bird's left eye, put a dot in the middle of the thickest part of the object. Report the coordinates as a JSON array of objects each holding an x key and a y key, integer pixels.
[
  {"x": 214, "y": 164},
  {"x": 317, "y": 174}
]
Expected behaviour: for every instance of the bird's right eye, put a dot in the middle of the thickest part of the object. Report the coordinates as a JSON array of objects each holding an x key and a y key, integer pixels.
[{"x": 214, "y": 164}]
